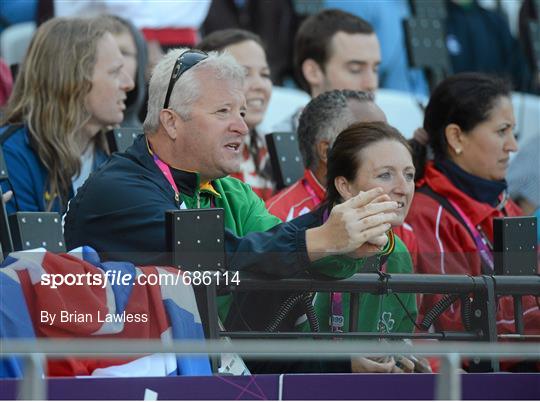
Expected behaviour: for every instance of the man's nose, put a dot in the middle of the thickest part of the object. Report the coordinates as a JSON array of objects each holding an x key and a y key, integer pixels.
[
  {"x": 240, "y": 126},
  {"x": 370, "y": 81}
]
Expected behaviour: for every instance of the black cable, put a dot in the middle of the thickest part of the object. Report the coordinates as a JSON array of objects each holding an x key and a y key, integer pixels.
[
  {"x": 384, "y": 276},
  {"x": 407, "y": 312},
  {"x": 240, "y": 315},
  {"x": 307, "y": 298},
  {"x": 440, "y": 307},
  {"x": 466, "y": 312},
  {"x": 284, "y": 309}
]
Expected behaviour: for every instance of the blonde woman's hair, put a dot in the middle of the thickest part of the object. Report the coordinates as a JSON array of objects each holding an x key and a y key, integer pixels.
[
  {"x": 114, "y": 24},
  {"x": 49, "y": 97}
]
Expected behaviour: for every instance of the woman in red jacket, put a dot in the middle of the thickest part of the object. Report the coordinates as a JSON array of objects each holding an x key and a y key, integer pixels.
[{"x": 469, "y": 123}]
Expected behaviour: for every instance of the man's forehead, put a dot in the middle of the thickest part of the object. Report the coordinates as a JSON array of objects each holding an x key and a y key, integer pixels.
[
  {"x": 220, "y": 90},
  {"x": 354, "y": 46}
]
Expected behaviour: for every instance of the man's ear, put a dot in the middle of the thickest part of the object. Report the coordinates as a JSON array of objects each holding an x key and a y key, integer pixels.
[
  {"x": 322, "y": 150},
  {"x": 455, "y": 139},
  {"x": 312, "y": 72},
  {"x": 169, "y": 121},
  {"x": 343, "y": 187}
]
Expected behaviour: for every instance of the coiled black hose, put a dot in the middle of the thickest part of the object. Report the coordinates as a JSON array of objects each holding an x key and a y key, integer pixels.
[
  {"x": 310, "y": 312},
  {"x": 466, "y": 311},
  {"x": 306, "y": 298},
  {"x": 442, "y": 305},
  {"x": 282, "y": 312}
]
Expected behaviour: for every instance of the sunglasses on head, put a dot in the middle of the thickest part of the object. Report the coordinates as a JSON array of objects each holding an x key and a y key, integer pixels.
[{"x": 183, "y": 63}]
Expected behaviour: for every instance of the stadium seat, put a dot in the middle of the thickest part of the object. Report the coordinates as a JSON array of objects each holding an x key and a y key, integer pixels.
[
  {"x": 527, "y": 113},
  {"x": 402, "y": 110},
  {"x": 14, "y": 42},
  {"x": 284, "y": 102}
]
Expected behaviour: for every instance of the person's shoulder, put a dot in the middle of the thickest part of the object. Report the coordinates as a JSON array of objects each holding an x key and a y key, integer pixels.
[
  {"x": 121, "y": 178},
  {"x": 428, "y": 217},
  {"x": 284, "y": 198},
  {"x": 406, "y": 234},
  {"x": 231, "y": 186},
  {"x": 14, "y": 136},
  {"x": 15, "y": 144},
  {"x": 422, "y": 205}
]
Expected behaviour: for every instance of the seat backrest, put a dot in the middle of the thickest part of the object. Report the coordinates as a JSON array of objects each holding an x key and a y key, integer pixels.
[
  {"x": 14, "y": 42},
  {"x": 283, "y": 104},
  {"x": 287, "y": 164},
  {"x": 402, "y": 110},
  {"x": 431, "y": 9},
  {"x": 122, "y": 138},
  {"x": 426, "y": 47},
  {"x": 526, "y": 111},
  {"x": 31, "y": 230}
]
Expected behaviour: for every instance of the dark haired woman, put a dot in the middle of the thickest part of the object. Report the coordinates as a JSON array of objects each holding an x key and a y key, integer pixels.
[
  {"x": 248, "y": 50},
  {"x": 469, "y": 122},
  {"x": 366, "y": 156}
]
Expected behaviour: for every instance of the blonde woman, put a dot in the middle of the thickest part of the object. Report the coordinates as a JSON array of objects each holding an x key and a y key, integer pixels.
[{"x": 72, "y": 86}]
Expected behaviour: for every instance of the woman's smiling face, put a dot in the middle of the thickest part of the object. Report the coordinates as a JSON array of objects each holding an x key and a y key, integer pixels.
[
  {"x": 387, "y": 164},
  {"x": 258, "y": 85}
]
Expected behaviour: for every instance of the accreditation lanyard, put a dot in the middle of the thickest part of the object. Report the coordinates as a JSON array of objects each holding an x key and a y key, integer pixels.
[
  {"x": 336, "y": 319},
  {"x": 479, "y": 240},
  {"x": 166, "y": 170},
  {"x": 311, "y": 192}
]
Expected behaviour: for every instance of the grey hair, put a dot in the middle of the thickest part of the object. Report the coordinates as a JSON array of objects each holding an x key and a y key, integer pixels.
[
  {"x": 188, "y": 87},
  {"x": 324, "y": 118}
]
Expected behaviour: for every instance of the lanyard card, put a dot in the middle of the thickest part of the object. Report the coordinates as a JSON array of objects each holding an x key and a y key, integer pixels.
[{"x": 196, "y": 238}]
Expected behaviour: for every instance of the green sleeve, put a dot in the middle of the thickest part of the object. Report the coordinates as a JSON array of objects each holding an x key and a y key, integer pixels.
[
  {"x": 343, "y": 266},
  {"x": 338, "y": 267}
]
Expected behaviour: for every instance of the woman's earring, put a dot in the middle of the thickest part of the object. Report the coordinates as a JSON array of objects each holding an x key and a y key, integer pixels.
[{"x": 458, "y": 151}]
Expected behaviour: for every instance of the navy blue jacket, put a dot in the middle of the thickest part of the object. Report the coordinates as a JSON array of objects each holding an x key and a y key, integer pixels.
[{"x": 120, "y": 211}]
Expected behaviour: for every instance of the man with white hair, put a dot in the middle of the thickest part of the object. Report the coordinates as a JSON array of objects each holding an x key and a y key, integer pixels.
[{"x": 194, "y": 132}]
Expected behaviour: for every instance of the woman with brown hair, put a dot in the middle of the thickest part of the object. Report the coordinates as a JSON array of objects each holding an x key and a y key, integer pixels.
[
  {"x": 366, "y": 156},
  {"x": 70, "y": 89}
]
